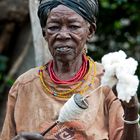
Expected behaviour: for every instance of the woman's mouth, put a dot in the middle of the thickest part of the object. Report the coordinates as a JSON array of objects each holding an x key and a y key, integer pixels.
[{"x": 64, "y": 49}]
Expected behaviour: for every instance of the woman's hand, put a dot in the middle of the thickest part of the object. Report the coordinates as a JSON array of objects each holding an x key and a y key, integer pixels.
[
  {"x": 131, "y": 109},
  {"x": 28, "y": 136},
  {"x": 133, "y": 103}
]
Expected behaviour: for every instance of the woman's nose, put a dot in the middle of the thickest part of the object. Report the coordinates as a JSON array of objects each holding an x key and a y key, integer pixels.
[{"x": 63, "y": 34}]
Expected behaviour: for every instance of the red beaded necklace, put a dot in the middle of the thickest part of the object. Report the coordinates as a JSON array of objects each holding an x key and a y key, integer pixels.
[
  {"x": 68, "y": 93},
  {"x": 79, "y": 75}
]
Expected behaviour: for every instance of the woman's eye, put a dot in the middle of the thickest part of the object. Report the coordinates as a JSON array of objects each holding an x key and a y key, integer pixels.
[
  {"x": 74, "y": 27},
  {"x": 53, "y": 28}
]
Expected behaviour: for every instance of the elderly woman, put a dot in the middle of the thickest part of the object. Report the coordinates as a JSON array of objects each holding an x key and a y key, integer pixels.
[{"x": 37, "y": 96}]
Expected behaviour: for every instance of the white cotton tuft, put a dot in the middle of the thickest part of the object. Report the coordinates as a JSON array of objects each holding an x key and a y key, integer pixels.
[
  {"x": 110, "y": 62},
  {"x": 128, "y": 66},
  {"x": 120, "y": 71},
  {"x": 113, "y": 58},
  {"x": 70, "y": 111},
  {"x": 127, "y": 86}
]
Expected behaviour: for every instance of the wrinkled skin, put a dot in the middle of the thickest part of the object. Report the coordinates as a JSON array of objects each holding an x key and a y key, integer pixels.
[
  {"x": 66, "y": 33},
  {"x": 65, "y": 28}
]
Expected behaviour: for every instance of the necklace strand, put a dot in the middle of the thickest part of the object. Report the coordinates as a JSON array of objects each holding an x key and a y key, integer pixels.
[
  {"x": 67, "y": 94},
  {"x": 78, "y": 76}
]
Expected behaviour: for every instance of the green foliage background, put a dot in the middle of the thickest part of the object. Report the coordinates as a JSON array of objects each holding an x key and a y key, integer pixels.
[{"x": 118, "y": 28}]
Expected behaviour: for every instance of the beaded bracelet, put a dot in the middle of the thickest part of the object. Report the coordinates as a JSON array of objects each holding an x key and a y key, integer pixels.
[{"x": 132, "y": 122}]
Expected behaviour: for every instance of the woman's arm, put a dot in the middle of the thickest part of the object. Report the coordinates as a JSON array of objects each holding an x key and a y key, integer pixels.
[
  {"x": 9, "y": 127},
  {"x": 131, "y": 110},
  {"x": 118, "y": 112},
  {"x": 131, "y": 124}
]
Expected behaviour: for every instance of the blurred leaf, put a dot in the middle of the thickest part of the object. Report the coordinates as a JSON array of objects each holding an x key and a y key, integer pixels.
[
  {"x": 0, "y": 76},
  {"x": 117, "y": 25},
  {"x": 120, "y": 1},
  {"x": 10, "y": 81},
  {"x": 3, "y": 62},
  {"x": 105, "y": 4}
]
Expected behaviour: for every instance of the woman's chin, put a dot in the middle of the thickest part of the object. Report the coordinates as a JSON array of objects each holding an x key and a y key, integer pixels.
[{"x": 64, "y": 57}]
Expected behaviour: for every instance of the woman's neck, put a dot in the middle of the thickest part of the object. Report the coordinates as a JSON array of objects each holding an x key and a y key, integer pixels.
[{"x": 66, "y": 70}]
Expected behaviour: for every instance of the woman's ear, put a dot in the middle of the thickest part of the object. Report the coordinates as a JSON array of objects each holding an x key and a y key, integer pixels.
[{"x": 92, "y": 29}]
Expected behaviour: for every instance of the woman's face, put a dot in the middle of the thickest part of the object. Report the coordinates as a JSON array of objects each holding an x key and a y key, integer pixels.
[{"x": 66, "y": 33}]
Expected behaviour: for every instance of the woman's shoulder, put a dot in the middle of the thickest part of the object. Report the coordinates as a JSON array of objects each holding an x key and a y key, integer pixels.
[
  {"x": 28, "y": 76},
  {"x": 24, "y": 80},
  {"x": 99, "y": 68}
]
